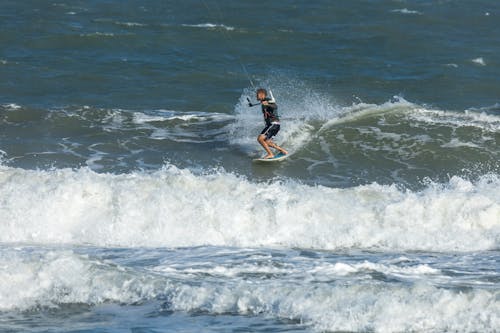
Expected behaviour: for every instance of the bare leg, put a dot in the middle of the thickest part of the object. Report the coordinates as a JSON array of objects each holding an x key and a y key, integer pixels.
[
  {"x": 264, "y": 143},
  {"x": 270, "y": 143}
]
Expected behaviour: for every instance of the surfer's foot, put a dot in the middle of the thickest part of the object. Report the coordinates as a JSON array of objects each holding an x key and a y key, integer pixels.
[
  {"x": 268, "y": 156},
  {"x": 283, "y": 151}
]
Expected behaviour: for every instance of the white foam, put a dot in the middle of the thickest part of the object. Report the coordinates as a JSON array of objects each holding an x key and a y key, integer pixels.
[
  {"x": 173, "y": 125},
  {"x": 223, "y": 271},
  {"x": 98, "y": 34},
  {"x": 141, "y": 118},
  {"x": 406, "y": 11},
  {"x": 305, "y": 114},
  {"x": 481, "y": 120},
  {"x": 31, "y": 280},
  {"x": 298, "y": 107},
  {"x": 455, "y": 143},
  {"x": 351, "y": 308},
  {"x": 131, "y": 24},
  {"x": 175, "y": 207},
  {"x": 479, "y": 61},
  {"x": 343, "y": 269},
  {"x": 11, "y": 106},
  {"x": 3, "y": 156},
  {"x": 159, "y": 116},
  {"x": 209, "y": 26},
  {"x": 362, "y": 110},
  {"x": 54, "y": 278}
]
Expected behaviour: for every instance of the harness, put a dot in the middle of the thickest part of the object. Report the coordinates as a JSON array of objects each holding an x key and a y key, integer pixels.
[{"x": 269, "y": 114}]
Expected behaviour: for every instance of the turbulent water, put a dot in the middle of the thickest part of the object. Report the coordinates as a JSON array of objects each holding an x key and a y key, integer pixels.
[{"x": 128, "y": 196}]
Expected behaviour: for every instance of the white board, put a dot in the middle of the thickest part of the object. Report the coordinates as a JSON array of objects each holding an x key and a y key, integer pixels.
[{"x": 277, "y": 157}]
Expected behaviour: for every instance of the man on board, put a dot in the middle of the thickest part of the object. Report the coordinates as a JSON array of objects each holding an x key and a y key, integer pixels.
[{"x": 270, "y": 112}]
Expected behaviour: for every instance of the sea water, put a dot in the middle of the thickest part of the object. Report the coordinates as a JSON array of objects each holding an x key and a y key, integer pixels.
[{"x": 128, "y": 197}]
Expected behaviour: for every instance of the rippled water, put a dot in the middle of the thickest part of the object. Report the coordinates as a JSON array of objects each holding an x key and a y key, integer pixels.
[{"x": 128, "y": 196}]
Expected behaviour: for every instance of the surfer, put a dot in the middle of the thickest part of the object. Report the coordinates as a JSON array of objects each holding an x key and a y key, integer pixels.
[{"x": 270, "y": 112}]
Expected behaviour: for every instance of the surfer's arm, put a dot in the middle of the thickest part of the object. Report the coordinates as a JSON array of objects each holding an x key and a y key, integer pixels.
[{"x": 273, "y": 106}]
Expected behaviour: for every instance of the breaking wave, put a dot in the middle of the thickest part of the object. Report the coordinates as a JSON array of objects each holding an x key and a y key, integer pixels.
[
  {"x": 175, "y": 207},
  {"x": 54, "y": 278}
]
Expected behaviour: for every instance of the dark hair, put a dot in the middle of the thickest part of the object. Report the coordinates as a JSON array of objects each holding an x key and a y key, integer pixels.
[{"x": 262, "y": 90}]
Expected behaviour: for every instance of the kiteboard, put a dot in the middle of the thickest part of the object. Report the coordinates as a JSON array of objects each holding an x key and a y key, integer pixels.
[{"x": 277, "y": 157}]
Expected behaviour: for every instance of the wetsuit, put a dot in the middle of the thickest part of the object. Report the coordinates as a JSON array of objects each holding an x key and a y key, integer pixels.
[{"x": 270, "y": 112}]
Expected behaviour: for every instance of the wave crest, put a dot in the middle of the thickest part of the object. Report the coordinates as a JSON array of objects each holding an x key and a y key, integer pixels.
[{"x": 175, "y": 207}]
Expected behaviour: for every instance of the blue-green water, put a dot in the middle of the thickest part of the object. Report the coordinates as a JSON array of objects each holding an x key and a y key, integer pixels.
[{"x": 128, "y": 196}]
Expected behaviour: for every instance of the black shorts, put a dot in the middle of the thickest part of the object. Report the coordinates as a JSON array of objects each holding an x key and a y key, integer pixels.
[{"x": 271, "y": 130}]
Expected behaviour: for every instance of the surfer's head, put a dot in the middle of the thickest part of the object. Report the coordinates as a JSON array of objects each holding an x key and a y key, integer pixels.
[{"x": 261, "y": 94}]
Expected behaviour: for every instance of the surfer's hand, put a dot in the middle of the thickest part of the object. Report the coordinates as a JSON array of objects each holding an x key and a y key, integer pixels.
[{"x": 264, "y": 102}]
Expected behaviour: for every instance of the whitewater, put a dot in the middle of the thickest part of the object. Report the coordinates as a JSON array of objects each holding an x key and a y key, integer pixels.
[
  {"x": 147, "y": 249},
  {"x": 175, "y": 207},
  {"x": 126, "y": 240}
]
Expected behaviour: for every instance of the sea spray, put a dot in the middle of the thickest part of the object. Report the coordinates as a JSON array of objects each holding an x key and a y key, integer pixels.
[{"x": 176, "y": 207}]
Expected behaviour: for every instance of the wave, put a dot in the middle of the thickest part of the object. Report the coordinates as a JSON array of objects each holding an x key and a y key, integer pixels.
[
  {"x": 130, "y": 24},
  {"x": 166, "y": 115},
  {"x": 209, "y": 26},
  {"x": 11, "y": 106},
  {"x": 98, "y": 34},
  {"x": 393, "y": 142},
  {"x": 479, "y": 61},
  {"x": 176, "y": 207},
  {"x": 406, "y": 11},
  {"x": 55, "y": 278},
  {"x": 305, "y": 111}
]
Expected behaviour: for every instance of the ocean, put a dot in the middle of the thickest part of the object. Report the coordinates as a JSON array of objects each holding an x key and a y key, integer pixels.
[{"x": 129, "y": 201}]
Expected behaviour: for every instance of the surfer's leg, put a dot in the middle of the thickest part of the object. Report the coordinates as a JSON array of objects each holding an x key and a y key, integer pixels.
[
  {"x": 270, "y": 143},
  {"x": 263, "y": 142},
  {"x": 270, "y": 133}
]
